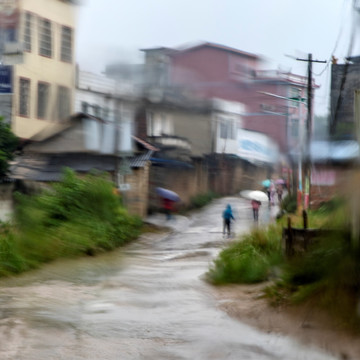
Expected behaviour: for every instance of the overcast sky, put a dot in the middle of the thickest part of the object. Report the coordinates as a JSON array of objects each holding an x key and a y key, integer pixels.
[{"x": 111, "y": 30}]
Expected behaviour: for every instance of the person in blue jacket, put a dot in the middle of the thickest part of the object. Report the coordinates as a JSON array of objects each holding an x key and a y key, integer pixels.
[{"x": 227, "y": 216}]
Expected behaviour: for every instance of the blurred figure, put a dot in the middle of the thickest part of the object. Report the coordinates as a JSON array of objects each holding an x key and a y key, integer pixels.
[
  {"x": 227, "y": 216},
  {"x": 255, "y": 207},
  {"x": 272, "y": 189},
  {"x": 168, "y": 208},
  {"x": 279, "y": 191}
]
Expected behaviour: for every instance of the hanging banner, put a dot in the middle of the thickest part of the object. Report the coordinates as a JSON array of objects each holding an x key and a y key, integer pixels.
[{"x": 5, "y": 79}]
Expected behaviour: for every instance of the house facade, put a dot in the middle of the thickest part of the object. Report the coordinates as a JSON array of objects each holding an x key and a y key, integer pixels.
[
  {"x": 38, "y": 48},
  {"x": 211, "y": 70}
]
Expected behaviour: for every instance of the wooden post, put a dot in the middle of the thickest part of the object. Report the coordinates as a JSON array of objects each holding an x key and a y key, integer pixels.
[
  {"x": 306, "y": 235},
  {"x": 305, "y": 219},
  {"x": 289, "y": 239}
]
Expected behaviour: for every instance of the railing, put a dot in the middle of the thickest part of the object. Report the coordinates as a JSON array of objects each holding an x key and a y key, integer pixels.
[{"x": 297, "y": 241}]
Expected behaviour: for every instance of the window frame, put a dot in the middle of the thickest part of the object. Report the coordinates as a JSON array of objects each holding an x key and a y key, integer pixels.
[
  {"x": 46, "y": 100},
  {"x": 61, "y": 114},
  {"x": 28, "y": 31},
  {"x": 43, "y": 50},
  {"x": 66, "y": 49},
  {"x": 21, "y": 96}
]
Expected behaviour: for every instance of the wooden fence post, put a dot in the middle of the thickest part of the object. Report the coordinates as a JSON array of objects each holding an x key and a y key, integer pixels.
[{"x": 289, "y": 238}]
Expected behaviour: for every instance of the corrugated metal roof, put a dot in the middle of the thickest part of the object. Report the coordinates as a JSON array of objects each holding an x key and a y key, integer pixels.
[
  {"x": 49, "y": 167},
  {"x": 140, "y": 160}
]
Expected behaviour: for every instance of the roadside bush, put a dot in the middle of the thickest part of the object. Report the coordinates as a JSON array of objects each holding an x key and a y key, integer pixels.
[
  {"x": 252, "y": 259},
  {"x": 76, "y": 216},
  {"x": 289, "y": 204},
  {"x": 201, "y": 200}
]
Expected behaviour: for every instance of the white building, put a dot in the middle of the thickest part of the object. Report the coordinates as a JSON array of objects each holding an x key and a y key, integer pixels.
[{"x": 99, "y": 96}]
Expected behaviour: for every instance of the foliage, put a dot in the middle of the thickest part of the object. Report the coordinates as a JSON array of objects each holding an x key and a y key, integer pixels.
[
  {"x": 201, "y": 200},
  {"x": 8, "y": 144},
  {"x": 76, "y": 216},
  {"x": 289, "y": 203},
  {"x": 328, "y": 273},
  {"x": 251, "y": 259}
]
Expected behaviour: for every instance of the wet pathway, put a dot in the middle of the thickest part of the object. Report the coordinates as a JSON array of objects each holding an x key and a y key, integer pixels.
[{"x": 146, "y": 301}]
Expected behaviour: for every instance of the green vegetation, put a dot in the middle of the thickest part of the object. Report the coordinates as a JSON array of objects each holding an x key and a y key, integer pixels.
[
  {"x": 252, "y": 259},
  {"x": 76, "y": 216},
  {"x": 289, "y": 204},
  {"x": 201, "y": 200},
  {"x": 8, "y": 144},
  {"x": 327, "y": 275}
]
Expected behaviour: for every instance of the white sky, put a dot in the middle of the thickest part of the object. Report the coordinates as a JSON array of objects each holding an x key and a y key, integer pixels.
[{"x": 111, "y": 30}]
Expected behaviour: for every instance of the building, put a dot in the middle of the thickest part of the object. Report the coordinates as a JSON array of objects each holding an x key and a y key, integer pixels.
[
  {"x": 345, "y": 80},
  {"x": 211, "y": 70},
  {"x": 188, "y": 127},
  {"x": 37, "y": 44}
]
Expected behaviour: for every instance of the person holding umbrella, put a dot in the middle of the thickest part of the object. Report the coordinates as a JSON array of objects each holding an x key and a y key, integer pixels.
[
  {"x": 255, "y": 204},
  {"x": 227, "y": 216},
  {"x": 168, "y": 200}
]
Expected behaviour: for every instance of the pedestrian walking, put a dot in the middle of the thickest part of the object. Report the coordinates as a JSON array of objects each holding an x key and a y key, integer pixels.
[
  {"x": 227, "y": 217},
  {"x": 255, "y": 204},
  {"x": 279, "y": 191},
  {"x": 272, "y": 189},
  {"x": 168, "y": 208}
]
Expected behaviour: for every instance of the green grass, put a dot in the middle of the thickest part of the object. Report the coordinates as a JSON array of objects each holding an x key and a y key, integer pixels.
[
  {"x": 201, "y": 200},
  {"x": 251, "y": 259},
  {"x": 327, "y": 276},
  {"x": 76, "y": 216}
]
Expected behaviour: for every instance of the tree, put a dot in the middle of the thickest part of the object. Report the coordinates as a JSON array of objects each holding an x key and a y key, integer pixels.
[{"x": 8, "y": 144}]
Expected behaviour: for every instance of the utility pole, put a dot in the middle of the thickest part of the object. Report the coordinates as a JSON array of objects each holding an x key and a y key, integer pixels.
[{"x": 307, "y": 164}]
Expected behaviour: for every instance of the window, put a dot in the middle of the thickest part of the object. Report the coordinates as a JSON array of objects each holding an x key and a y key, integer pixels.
[
  {"x": 96, "y": 110},
  {"x": 84, "y": 107},
  {"x": 106, "y": 113},
  {"x": 226, "y": 129},
  {"x": 24, "y": 97},
  {"x": 63, "y": 102},
  {"x": 27, "y": 32},
  {"x": 45, "y": 36},
  {"x": 66, "y": 44},
  {"x": 42, "y": 99}
]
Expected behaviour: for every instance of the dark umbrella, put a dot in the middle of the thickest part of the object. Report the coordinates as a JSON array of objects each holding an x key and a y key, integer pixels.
[{"x": 167, "y": 194}]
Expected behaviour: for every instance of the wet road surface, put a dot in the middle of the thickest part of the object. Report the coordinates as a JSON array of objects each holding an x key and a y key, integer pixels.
[{"x": 145, "y": 301}]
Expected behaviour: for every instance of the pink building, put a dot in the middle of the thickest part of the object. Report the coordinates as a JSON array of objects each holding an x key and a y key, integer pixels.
[{"x": 211, "y": 70}]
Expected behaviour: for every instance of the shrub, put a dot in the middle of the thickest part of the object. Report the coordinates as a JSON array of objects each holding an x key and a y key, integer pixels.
[
  {"x": 76, "y": 216},
  {"x": 289, "y": 203},
  {"x": 201, "y": 200},
  {"x": 249, "y": 260}
]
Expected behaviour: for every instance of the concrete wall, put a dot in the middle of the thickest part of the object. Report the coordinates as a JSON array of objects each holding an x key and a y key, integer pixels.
[
  {"x": 136, "y": 198},
  {"x": 224, "y": 176}
]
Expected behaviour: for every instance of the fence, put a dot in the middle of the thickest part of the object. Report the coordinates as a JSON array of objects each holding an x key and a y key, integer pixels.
[{"x": 297, "y": 240}]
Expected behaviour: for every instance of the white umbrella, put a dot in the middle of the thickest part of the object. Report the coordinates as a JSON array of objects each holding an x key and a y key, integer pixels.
[{"x": 254, "y": 195}]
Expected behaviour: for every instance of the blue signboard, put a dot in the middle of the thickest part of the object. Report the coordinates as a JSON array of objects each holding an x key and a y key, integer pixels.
[{"x": 5, "y": 79}]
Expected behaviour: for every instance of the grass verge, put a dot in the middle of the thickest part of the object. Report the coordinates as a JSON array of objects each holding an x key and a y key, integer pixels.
[{"x": 76, "y": 216}]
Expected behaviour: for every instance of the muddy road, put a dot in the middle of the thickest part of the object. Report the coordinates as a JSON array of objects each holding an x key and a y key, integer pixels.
[{"x": 145, "y": 301}]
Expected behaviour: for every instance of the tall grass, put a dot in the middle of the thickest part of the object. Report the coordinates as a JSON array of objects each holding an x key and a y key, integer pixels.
[
  {"x": 251, "y": 259},
  {"x": 201, "y": 200},
  {"x": 76, "y": 216},
  {"x": 328, "y": 274}
]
